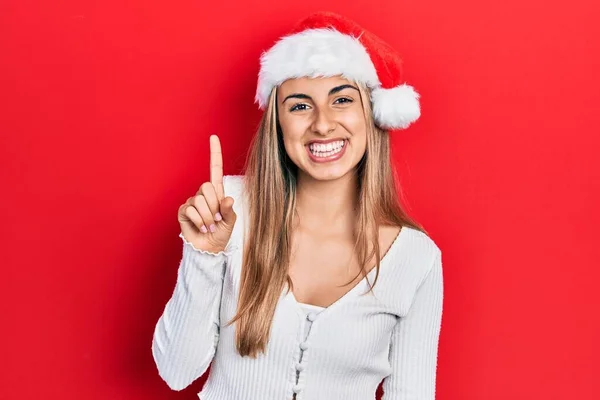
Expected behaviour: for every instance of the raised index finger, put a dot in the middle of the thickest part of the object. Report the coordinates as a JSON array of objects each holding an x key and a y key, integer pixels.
[{"x": 216, "y": 166}]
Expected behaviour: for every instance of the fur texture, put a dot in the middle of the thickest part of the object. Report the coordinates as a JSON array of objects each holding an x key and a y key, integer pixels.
[
  {"x": 312, "y": 53},
  {"x": 395, "y": 108}
]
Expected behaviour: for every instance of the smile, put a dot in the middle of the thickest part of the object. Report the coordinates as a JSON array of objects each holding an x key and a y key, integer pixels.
[{"x": 326, "y": 153}]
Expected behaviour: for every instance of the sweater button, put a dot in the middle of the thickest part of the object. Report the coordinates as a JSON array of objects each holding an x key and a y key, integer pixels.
[
  {"x": 311, "y": 316},
  {"x": 303, "y": 345},
  {"x": 299, "y": 367},
  {"x": 297, "y": 388}
]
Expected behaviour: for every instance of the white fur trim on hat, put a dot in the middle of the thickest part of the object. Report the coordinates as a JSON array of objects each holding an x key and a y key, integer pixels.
[
  {"x": 312, "y": 53},
  {"x": 395, "y": 108}
]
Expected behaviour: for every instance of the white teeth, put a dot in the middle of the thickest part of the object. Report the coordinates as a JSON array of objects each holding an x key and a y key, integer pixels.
[
  {"x": 314, "y": 147},
  {"x": 330, "y": 149}
]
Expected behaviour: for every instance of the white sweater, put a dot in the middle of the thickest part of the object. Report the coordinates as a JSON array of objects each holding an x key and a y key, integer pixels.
[{"x": 342, "y": 352}]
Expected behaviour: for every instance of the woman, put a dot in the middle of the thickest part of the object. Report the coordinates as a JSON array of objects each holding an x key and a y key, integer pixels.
[{"x": 304, "y": 278}]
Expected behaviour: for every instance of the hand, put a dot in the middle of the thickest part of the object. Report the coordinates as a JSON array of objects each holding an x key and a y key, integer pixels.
[{"x": 209, "y": 207}]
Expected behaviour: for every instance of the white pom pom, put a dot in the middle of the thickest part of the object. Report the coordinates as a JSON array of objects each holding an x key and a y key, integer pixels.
[{"x": 395, "y": 108}]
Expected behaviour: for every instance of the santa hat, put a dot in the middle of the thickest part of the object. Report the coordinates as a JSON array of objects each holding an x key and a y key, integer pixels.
[{"x": 327, "y": 44}]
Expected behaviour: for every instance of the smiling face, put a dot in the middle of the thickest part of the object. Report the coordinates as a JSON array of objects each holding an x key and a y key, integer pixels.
[{"x": 323, "y": 124}]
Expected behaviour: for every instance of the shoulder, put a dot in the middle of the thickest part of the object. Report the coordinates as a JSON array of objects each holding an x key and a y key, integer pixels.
[
  {"x": 233, "y": 185},
  {"x": 429, "y": 254},
  {"x": 415, "y": 256},
  {"x": 424, "y": 252},
  {"x": 420, "y": 244}
]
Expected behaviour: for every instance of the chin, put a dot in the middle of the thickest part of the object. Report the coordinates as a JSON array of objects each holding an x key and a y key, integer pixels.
[
  {"x": 327, "y": 176},
  {"x": 326, "y": 173}
]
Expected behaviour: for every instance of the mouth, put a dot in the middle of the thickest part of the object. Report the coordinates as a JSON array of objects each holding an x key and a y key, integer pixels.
[{"x": 331, "y": 151}]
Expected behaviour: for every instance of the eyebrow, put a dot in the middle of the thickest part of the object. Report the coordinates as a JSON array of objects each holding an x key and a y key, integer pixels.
[{"x": 332, "y": 91}]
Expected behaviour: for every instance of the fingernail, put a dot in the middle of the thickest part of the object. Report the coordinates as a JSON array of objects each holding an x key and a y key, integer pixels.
[
  {"x": 218, "y": 217},
  {"x": 203, "y": 229},
  {"x": 213, "y": 227}
]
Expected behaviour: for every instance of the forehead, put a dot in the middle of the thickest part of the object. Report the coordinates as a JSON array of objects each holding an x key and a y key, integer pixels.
[{"x": 315, "y": 85}]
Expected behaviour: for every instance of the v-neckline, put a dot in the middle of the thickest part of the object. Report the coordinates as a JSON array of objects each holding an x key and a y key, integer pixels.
[{"x": 350, "y": 292}]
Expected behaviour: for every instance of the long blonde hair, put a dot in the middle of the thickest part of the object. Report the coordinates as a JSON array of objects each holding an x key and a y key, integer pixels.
[{"x": 270, "y": 185}]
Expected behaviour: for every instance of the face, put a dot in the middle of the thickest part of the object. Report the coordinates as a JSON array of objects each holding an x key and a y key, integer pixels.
[{"x": 323, "y": 124}]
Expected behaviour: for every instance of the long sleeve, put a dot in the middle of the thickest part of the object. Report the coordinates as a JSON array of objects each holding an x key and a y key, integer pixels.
[
  {"x": 187, "y": 333},
  {"x": 414, "y": 347}
]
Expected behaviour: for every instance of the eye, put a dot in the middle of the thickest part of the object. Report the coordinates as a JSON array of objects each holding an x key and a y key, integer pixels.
[
  {"x": 299, "y": 106},
  {"x": 346, "y": 100}
]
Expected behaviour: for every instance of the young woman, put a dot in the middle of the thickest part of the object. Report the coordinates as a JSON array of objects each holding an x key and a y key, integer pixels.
[{"x": 304, "y": 278}]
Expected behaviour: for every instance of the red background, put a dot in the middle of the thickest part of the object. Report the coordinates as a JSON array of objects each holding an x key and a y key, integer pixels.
[{"x": 105, "y": 113}]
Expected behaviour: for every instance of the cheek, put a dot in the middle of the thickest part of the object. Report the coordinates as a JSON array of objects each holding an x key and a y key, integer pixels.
[
  {"x": 356, "y": 125},
  {"x": 291, "y": 126},
  {"x": 292, "y": 133}
]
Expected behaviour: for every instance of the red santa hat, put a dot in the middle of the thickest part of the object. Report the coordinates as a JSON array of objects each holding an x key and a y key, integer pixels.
[{"x": 327, "y": 44}]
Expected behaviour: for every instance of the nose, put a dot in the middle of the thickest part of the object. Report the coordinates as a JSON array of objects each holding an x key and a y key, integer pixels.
[{"x": 323, "y": 122}]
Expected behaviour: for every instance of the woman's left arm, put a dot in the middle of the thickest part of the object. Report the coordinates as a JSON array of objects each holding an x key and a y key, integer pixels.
[{"x": 414, "y": 347}]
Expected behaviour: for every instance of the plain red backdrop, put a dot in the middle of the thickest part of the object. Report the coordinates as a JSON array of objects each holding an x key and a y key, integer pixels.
[{"x": 105, "y": 113}]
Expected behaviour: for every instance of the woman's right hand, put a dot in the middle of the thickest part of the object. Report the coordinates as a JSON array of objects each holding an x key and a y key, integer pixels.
[{"x": 209, "y": 207}]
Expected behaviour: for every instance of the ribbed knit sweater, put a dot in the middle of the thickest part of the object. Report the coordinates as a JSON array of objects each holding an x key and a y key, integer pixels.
[{"x": 341, "y": 352}]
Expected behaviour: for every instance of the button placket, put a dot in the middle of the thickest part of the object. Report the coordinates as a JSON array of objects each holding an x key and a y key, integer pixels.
[{"x": 304, "y": 345}]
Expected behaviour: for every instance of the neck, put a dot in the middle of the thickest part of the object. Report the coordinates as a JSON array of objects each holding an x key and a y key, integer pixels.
[{"x": 327, "y": 205}]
